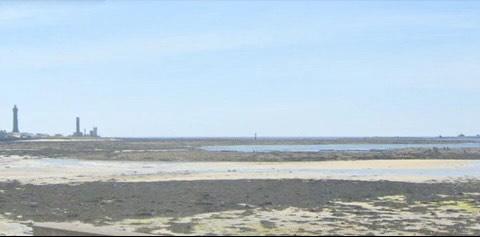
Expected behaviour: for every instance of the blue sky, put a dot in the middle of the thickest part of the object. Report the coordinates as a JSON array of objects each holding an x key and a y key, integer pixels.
[{"x": 232, "y": 68}]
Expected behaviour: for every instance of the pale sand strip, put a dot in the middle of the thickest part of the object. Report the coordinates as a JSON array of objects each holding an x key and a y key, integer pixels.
[
  {"x": 48, "y": 171},
  {"x": 13, "y": 228},
  {"x": 228, "y": 176}
]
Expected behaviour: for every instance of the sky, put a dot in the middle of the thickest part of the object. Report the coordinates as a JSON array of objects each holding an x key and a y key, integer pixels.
[{"x": 233, "y": 68}]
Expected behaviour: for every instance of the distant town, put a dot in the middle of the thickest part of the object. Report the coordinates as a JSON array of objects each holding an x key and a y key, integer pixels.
[{"x": 16, "y": 134}]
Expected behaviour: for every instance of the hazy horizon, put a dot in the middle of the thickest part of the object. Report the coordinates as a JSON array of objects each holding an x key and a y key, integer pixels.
[{"x": 233, "y": 68}]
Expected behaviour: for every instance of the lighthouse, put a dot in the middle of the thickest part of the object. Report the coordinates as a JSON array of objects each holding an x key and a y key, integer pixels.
[
  {"x": 78, "y": 133},
  {"x": 15, "y": 120}
]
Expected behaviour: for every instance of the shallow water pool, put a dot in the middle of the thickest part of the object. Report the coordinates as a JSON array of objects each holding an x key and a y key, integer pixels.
[{"x": 335, "y": 147}]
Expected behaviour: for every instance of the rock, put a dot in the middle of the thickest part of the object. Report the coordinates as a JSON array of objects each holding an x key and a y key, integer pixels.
[{"x": 268, "y": 224}]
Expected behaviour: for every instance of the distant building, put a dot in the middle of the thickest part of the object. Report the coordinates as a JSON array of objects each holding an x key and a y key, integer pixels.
[
  {"x": 78, "y": 133},
  {"x": 94, "y": 132},
  {"x": 16, "y": 134},
  {"x": 15, "y": 120},
  {"x": 41, "y": 135},
  {"x": 3, "y": 135}
]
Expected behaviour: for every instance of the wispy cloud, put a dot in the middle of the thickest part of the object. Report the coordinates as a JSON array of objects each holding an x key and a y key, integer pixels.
[
  {"x": 130, "y": 48},
  {"x": 35, "y": 12},
  {"x": 14, "y": 13}
]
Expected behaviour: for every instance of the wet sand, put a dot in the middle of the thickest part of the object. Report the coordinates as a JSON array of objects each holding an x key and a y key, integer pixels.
[{"x": 55, "y": 171}]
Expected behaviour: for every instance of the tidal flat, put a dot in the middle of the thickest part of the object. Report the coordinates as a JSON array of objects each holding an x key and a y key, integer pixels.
[
  {"x": 193, "y": 149},
  {"x": 176, "y": 187}
]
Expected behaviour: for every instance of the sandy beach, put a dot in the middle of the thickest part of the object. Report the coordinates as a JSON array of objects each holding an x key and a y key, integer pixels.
[{"x": 30, "y": 170}]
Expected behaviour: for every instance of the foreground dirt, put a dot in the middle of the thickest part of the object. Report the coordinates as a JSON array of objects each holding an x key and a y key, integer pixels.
[{"x": 253, "y": 206}]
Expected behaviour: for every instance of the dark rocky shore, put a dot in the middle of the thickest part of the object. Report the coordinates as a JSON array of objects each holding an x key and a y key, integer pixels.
[{"x": 93, "y": 202}]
